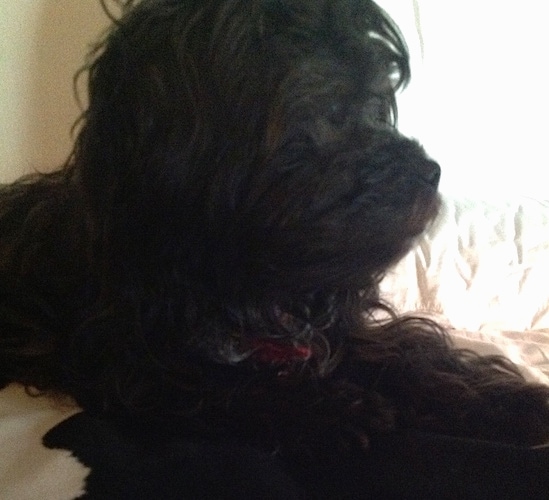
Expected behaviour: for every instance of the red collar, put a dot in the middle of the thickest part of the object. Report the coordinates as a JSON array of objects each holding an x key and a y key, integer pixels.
[{"x": 275, "y": 352}]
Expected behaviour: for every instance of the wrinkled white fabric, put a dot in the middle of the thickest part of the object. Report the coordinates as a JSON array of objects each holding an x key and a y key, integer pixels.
[{"x": 483, "y": 270}]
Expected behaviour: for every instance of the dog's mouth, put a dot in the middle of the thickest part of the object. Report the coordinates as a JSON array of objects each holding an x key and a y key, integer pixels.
[
  {"x": 424, "y": 212},
  {"x": 426, "y": 204}
]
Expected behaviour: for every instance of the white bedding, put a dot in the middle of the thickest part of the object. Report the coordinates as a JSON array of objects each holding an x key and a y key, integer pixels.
[
  {"x": 29, "y": 470},
  {"x": 482, "y": 269}
]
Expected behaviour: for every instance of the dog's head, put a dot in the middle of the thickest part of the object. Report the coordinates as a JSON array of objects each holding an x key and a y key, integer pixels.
[{"x": 248, "y": 147}]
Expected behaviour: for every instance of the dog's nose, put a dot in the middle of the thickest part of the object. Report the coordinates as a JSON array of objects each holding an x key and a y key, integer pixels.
[{"x": 429, "y": 171}]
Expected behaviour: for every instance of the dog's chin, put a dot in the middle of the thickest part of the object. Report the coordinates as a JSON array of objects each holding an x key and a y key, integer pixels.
[{"x": 424, "y": 211}]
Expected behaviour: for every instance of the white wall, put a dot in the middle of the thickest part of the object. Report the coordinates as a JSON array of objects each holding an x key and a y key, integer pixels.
[
  {"x": 42, "y": 44},
  {"x": 477, "y": 99}
]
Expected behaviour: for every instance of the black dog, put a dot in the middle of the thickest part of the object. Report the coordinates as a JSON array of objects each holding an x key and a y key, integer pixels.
[{"x": 205, "y": 268}]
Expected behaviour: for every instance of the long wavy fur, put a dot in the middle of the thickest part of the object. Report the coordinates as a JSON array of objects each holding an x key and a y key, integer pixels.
[{"x": 238, "y": 182}]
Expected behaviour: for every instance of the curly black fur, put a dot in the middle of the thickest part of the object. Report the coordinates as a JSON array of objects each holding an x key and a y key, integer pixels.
[{"x": 238, "y": 183}]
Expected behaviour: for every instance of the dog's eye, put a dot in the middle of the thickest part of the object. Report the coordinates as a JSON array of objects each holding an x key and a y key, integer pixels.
[
  {"x": 376, "y": 110},
  {"x": 394, "y": 75}
]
